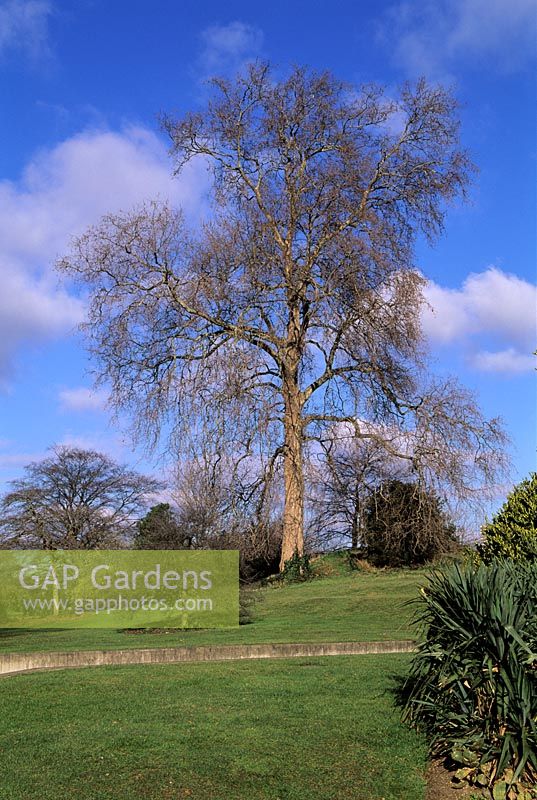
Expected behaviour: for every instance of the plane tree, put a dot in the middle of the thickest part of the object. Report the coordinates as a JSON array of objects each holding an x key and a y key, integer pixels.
[{"x": 294, "y": 306}]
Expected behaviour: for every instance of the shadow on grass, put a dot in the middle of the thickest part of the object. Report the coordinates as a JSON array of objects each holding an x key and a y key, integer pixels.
[
  {"x": 8, "y": 633},
  {"x": 400, "y": 689}
]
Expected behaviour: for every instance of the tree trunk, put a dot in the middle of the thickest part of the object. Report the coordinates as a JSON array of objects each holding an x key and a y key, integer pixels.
[
  {"x": 293, "y": 472},
  {"x": 355, "y": 529}
]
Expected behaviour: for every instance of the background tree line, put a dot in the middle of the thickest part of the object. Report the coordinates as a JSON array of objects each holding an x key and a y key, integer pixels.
[{"x": 81, "y": 499}]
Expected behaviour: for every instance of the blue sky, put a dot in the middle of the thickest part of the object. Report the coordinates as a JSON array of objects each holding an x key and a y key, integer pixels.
[{"x": 81, "y": 87}]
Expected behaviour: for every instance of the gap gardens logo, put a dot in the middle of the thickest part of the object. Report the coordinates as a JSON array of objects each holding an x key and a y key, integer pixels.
[{"x": 119, "y": 588}]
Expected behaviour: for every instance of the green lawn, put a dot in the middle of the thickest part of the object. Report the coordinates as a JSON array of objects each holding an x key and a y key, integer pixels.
[
  {"x": 303, "y": 729},
  {"x": 345, "y": 606},
  {"x": 306, "y": 729}
]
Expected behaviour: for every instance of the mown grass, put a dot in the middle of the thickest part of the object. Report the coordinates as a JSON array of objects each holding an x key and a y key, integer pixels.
[
  {"x": 343, "y": 605},
  {"x": 306, "y": 729}
]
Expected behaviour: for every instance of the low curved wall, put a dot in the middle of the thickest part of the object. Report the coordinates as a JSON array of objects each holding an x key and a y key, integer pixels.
[{"x": 11, "y": 663}]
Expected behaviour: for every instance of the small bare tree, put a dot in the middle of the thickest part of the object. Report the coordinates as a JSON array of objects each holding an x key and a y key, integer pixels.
[
  {"x": 340, "y": 477},
  {"x": 211, "y": 510},
  {"x": 73, "y": 499},
  {"x": 296, "y": 306},
  {"x": 445, "y": 450}
]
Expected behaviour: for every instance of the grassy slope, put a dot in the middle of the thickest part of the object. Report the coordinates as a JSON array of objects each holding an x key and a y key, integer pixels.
[
  {"x": 343, "y": 605},
  {"x": 315, "y": 729}
]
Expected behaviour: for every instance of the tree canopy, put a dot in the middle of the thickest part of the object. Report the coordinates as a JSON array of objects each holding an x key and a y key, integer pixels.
[
  {"x": 74, "y": 498},
  {"x": 512, "y": 531},
  {"x": 294, "y": 308},
  {"x": 405, "y": 525}
]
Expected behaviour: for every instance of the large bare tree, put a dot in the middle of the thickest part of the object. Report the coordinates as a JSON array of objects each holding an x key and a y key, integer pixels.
[{"x": 295, "y": 306}]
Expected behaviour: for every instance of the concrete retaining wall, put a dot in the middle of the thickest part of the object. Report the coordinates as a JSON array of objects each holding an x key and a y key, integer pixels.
[{"x": 11, "y": 663}]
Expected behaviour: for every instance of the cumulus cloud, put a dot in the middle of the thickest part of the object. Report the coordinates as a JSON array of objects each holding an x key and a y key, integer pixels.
[
  {"x": 431, "y": 36},
  {"x": 227, "y": 48},
  {"x": 60, "y": 193},
  {"x": 83, "y": 399},
  {"x": 65, "y": 189},
  {"x": 30, "y": 310},
  {"x": 493, "y": 303},
  {"x": 24, "y": 27},
  {"x": 492, "y": 300},
  {"x": 17, "y": 460},
  {"x": 509, "y": 361}
]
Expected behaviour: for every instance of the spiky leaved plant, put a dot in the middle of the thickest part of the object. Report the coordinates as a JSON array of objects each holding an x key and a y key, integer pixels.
[{"x": 473, "y": 681}]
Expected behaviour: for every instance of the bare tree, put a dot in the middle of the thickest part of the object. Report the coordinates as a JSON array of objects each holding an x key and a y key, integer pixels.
[
  {"x": 445, "y": 450},
  {"x": 220, "y": 509},
  {"x": 73, "y": 499},
  {"x": 296, "y": 306},
  {"x": 211, "y": 510},
  {"x": 339, "y": 480}
]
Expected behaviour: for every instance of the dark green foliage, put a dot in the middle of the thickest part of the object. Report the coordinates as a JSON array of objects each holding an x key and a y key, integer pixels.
[
  {"x": 513, "y": 530},
  {"x": 246, "y": 603},
  {"x": 473, "y": 682},
  {"x": 404, "y": 525},
  {"x": 159, "y": 530},
  {"x": 297, "y": 568}
]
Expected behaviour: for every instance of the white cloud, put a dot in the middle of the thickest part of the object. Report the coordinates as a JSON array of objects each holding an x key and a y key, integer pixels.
[
  {"x": 60, "y": 193},
  {"x": 24, "y": 27},
  {"x": 17, "y": 460},
  {"x": 83, "y": 399},
  {"x": 508, "y": 361},
  {"x": 30, "y": 310},
  {"x": 492, "y": 303},
  {"x": 431, "y": 36},
  {"x": 492, "y": 300},
  {"x": 111, "y": 445},
  {"x": 446, "y": 317},
  {"x": 227, "y": 48},
  {"x": 64, "y": 189}
]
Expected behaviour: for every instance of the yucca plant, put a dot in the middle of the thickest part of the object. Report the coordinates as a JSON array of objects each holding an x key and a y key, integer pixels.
[{"x": 473, "y": 681}]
